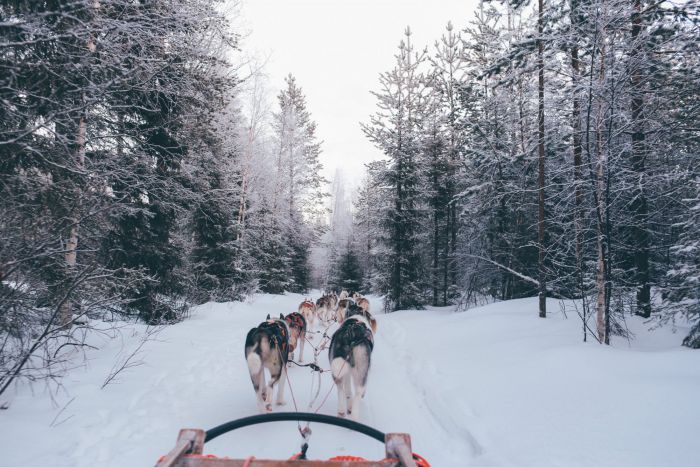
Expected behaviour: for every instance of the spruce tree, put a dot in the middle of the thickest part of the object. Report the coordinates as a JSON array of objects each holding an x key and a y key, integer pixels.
[
  {"x": 395, "y": 129},
  {"x": 299, "y": 189},
  {"x": 349, "y": 272}
]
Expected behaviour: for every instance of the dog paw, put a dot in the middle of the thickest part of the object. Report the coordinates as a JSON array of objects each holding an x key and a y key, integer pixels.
[
  {"x": 281, "y": 402},
  {"x": 268, "y": 407},
  {"x": 341, "y": 414}
]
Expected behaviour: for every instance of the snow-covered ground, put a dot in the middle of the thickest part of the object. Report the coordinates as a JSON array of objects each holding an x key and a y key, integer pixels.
[{"x": 493, "y": 386}]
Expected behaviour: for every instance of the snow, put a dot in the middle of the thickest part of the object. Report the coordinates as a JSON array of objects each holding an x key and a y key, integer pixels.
[{"x": 492, "y": 386}]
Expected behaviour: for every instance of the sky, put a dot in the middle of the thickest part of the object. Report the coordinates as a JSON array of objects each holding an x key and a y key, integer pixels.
[{"x": 336, "y": 49}]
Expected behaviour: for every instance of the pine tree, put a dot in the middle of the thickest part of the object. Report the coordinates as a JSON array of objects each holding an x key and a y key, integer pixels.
[
  {"x": 298, "y": 165},
  {"x": 299, "y": 194},
  {"x": 395, "y": 129},
  {"x": 447, "y": 80},
  {"x": 683, "y": 295},
  {"x": 370, "y": 208},
  {"x": 106, "y": 110},
  {"x": 349, "y": 272},
  {"x": 496, "y": 191},
  {"x": 215, "y": 180},
  {"x": 270, "y": 251}
]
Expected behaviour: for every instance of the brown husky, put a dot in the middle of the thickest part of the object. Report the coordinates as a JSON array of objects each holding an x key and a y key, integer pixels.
[{"x": 297, "y": 334}]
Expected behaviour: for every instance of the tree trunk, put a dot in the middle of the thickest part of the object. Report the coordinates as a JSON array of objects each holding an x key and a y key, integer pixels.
[
  {"x": 600, "y": 284},
  {"x": 639, "y": 205},
  {"x": 578, "y": 161},
  {"x": 602, "y": 319},
  {"x": 240, "y": 221},
  {"x": 65, "y": 315},
  {"x": 291, "y": 184},
  {"x": 436, "y": 236},
  {"x": 601, "y": 273},
  {"x": 541, "y": 178},
  {"x": 447, "y": 257}
]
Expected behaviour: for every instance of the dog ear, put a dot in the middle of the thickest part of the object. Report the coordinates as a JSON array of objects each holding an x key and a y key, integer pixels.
[
  {"x": 281, "y": 316},
  {"x": 268, "y": 316}
]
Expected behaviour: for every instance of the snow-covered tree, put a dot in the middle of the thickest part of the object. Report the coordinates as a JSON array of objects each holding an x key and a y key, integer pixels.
[
  {"x": 103, "y": 105},
  {"x": 446, "y": 133},
  {"x": 299, "y": 190},
  {"x": 396, "y": 130}
]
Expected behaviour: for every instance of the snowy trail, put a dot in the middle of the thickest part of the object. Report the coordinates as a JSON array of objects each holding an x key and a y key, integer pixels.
[{"x": 490, "y": 387}]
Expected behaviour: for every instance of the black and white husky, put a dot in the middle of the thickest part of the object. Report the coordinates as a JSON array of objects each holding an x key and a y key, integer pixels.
[
  {"x": 342, "y": 309},
  {"x": 350, "y": 353},
  {"x": 326, "y": 306},
  {"x": 267, "y": 346}
]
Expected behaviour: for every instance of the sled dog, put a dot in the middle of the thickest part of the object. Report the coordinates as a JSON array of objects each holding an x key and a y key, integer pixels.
[
  {"x": 334, "y": 300},
  {"x": 349, "y": 354},
  {"x": 324, "y": 307},
  {"x": 308, "y": 309},
  {"x": 297, "y": 334},
  {"x": 343, "y": 306},
  {"x": 363, "y": 303},
  {"x": 343, "y": 295},
  {"x": 267, "y": 346},
  {"x": 355, "y": 310}
]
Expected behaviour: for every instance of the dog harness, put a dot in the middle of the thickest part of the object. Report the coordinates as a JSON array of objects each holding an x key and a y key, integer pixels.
[
  {"x": 277, "y": 333},
  {"x": 296, "y": 320},
  {"x": 357, "y": 332}
]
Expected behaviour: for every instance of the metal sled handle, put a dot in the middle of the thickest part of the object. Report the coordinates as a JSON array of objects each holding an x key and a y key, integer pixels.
[{"x": 294, "y": 416}]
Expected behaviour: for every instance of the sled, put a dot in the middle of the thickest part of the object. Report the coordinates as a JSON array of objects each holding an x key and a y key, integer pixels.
[{"x": 188, "y": 450}]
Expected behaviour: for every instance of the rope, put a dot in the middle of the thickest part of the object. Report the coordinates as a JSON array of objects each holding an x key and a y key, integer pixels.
[
  {"x": 324, "y": 399},
  {"x": 305, "y": 435},
  {"x": 289, "y": 383},
  {"x": 317, "y": 351},
  {"x": 313, "y": 366},
  {"x": 306, "y": 431},
  {"x": 312, "y": 400},
  {"x": 291, "y": 391}
]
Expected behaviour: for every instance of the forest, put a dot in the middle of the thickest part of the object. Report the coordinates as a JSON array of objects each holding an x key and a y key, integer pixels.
[
  {"x": 548, "y": 152},
  {"x": 545, "y": 149}
]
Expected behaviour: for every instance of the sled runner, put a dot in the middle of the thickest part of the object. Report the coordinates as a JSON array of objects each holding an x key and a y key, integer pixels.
[{"x": 188, "y": 451}]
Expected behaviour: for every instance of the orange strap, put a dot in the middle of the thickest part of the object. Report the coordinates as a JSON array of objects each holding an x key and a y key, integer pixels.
[
  {"x": 347, "y": 458},
  {"x": 420, "y": 460}
]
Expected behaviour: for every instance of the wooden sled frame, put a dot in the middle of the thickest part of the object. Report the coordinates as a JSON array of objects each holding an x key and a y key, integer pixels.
[{"x": 189, "y": 448}]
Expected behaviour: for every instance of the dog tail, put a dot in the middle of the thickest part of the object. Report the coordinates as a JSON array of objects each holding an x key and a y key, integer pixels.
[
  {"x": 254, "y": 360},
  {"x": 339, "y": 368}
]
